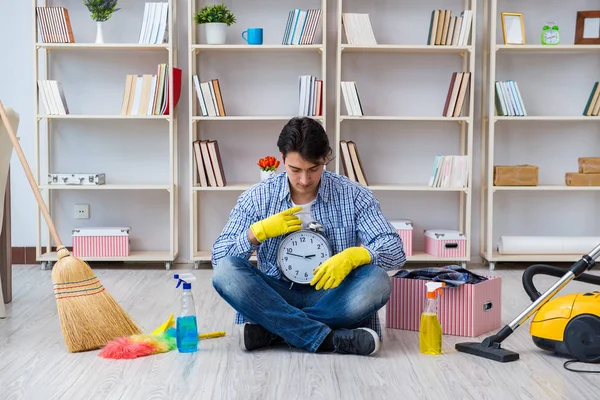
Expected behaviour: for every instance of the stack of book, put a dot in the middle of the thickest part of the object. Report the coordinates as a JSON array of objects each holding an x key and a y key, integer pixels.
[
  {"x": 302, "y": 26},
  {"x": 210, "y": 171},
  {"x": 310, "y": 96},
  {"x": 358, "y": 29},
  {"x": 351, "y": 98},
  {"x": 592, "y": 107},
  {"x": 351, "y": 162},
  {"x": 53, "y": 97},
  {"x": 148, "y": 94},
  {"x": 209, "y": 97},
  {"x": 457, "y": 93},
  {"x": 446, "y": 30},
  {"x": 450, "y": 172},
  {"x": 508, "y": 99},
  {"x": 154, "y": 24},
  {"x": 54, "y": 25}
]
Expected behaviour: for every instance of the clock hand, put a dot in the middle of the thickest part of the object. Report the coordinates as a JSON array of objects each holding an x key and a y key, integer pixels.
[
  {"x": 309, "y": 256},
  {"x": 292, "y": 254}
]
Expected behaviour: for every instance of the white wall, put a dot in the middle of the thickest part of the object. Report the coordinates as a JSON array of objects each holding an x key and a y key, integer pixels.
[{"x": 413, "y": 84}]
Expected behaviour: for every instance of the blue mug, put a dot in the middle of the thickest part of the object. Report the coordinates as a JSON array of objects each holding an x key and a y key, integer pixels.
[{"x": 254, "y": 35}]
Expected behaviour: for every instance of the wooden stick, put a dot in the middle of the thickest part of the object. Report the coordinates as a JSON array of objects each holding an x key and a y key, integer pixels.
[{"x": 30, "y": 177}]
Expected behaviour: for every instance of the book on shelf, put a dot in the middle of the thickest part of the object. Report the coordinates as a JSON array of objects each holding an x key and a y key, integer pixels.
[
  {"x": 351, "y": 98},
  {"x": 358, "y": 29},
  {"x": 310, "y": 96},
  {"x": 54, "y": 25},
  {"x": 209, "y": 97},
  {"x": 148, "y": 94},
  {"x": 53, "y": 97},
  {"x": 155, "y": 23},
  {"x": 450, "y": 172},
  {"x": 448, "y": 30},
  {"x": 302, "y": 26},
  {"x": 209, "y": 167},
  {"x": 508, "y": 99},
  {"x": 351, "y": 163},
  {"x": 592, "y": 107},
  {"x": 457, "y": 93}
]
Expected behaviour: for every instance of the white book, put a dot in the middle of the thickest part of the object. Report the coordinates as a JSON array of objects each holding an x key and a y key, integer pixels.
[
  {"x": 205, "y": 86},
  {"x": 203, "y": 110},
  {"x": 144, "y": 26},
  {"x": 43, "y": 96},
  {"x": 162, "y": 31}
]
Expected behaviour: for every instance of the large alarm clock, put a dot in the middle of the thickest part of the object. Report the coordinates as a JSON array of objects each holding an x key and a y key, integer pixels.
[
  {"x": 301, "y": 252},
  {"x": 550, "y": 34}
]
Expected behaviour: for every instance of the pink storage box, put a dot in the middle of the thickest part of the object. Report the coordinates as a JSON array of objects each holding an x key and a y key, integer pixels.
[
  {"x": 466, "y": 310},
  {"x": 102, "y": 242},
  {"x": 405, "y": 230},
  {"x": 445, "y": 243}
]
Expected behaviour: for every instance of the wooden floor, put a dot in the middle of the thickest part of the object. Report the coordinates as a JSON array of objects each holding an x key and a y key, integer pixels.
[{"x": 34, "y": 363}]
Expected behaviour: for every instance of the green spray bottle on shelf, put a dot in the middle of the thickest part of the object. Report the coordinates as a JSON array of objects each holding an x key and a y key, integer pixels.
[
  {"x": 187, "y": 325},
  {"x": 430, "y": 329}
]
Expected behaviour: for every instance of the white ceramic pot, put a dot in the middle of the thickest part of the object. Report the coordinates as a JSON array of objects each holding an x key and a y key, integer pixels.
[
  {"x": 216, "y": 32},
  {"x": 265, "y": 174},
  {"x": 99, "y": 36}
]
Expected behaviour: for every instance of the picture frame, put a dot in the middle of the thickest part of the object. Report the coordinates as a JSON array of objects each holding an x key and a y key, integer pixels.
[
  {"x": 587, "y": 27},
  {"x": 513, "y": 28}
]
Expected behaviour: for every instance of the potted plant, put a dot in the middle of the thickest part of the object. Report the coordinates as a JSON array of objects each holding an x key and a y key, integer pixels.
[
  {"x": 101, "y": 11},
  {"x": 267, "y": 165},
  {"x": 215, "y": 18}
]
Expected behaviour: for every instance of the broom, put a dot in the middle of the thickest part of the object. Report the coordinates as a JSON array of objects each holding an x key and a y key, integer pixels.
[{"x": 89, "y": 316}]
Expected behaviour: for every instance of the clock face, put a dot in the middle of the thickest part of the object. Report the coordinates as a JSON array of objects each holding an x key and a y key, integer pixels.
[
  {"x": 551, "y": 34},
  {"x": 300, "y": 253}
]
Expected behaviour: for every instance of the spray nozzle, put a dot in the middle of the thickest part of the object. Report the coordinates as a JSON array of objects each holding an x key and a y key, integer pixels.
[
  {"x": 433, "y": 288},
  {"x": 186, "y": 279}
]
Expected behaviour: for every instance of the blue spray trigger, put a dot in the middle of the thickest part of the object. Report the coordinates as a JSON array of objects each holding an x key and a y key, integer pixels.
[{"x": 185, "y": 278}]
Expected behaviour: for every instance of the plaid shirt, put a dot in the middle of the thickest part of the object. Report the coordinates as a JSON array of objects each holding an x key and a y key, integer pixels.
[{"x": 349, "y": 213}]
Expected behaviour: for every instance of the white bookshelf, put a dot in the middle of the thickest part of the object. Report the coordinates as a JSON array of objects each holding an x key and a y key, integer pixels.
[
  {"x": 260, "y": 120},
  {"x": 46, "y": 56},
  {"x": 462, "y": 127},
  {"x": 494, "y": 127}
]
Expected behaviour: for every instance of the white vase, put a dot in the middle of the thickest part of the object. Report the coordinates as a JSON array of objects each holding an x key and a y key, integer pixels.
[
  {"x": 265, "y": 174},
  {"x": 99, "y": 36},
  {"x": 216, "y": 32}
]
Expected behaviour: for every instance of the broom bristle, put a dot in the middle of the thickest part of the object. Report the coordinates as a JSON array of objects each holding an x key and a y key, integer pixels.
[{"x": 89, "y": 316}]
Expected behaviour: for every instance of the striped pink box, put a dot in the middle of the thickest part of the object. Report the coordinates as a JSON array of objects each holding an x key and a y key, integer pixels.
[
  {"x": 466, "y": 310},
  {"x": 101, "y": 242},
  {"x": 445, "y": 243},
  {"x": 404, "y": 228}
]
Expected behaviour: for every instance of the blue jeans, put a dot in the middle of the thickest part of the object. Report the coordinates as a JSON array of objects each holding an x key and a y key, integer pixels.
[{"x": 301, "y": 315}]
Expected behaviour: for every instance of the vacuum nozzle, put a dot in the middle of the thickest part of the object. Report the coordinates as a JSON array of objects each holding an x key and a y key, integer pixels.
[{"x": 490, "y": 347}]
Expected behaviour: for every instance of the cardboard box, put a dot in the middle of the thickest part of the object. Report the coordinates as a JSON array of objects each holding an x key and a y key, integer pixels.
[
  {"x": 101, "y": 242},
  {"x": 577, "y": 179},
  {"x": 516, "y": 175},
  {"x": 445, "y": 243},
  {"x": 466, "y": 310},
  {"x": 404, "y": 228},
  {"x": 589, "y": 165}
]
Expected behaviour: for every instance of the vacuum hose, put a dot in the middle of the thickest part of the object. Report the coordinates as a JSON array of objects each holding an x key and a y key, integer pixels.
[{"x": 544, "y": 269}]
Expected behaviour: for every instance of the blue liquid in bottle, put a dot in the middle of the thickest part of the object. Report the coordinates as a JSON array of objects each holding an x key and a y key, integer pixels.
[{"x": 187, "y": 334}]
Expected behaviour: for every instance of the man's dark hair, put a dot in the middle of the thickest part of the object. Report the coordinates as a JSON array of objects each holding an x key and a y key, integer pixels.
[{"x": 307, "y": 137}]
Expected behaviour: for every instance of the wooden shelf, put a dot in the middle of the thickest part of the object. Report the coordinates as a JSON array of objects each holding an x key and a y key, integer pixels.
[
  {"x": 566, "y": 118},
  {"x": 107, "y": 187},
  {"x": 257, "y": 48},
  {"x": 539, "y": 48},
  {"x": 97, "y": 116},
  {"x": 414, "y": 188},
  {"x": 402, "y": 118},
  {"x": 545, "y": 188},
  {"x": 250, "y": 118},
  {"x": 135, "y": 256},
  {"x": 228, "y": 187},
  {"x": 103, "y": 46},
  {"x": 403, "y": 48}
]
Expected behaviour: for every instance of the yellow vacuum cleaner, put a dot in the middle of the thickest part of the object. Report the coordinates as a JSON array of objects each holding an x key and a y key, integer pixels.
[{"x": 568, "y": 325}]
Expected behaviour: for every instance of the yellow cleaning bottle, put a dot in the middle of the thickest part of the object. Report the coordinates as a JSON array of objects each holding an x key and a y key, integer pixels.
[{"x": 430, "y": 330}]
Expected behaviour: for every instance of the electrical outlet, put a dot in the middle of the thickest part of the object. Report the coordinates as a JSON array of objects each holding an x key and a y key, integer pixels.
[{"x": 82, "y": 211}]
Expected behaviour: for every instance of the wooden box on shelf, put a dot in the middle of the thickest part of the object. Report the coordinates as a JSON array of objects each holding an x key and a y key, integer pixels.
[
  {"x": 579, "y": 179},
  {"x": 588, "y": 165},
  {"x": 516, "y": 175}
]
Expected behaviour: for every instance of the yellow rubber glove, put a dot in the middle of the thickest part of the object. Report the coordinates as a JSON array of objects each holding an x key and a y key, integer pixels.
[
  {"x": 332, "y": 271},
  {"x": 278, "y": 224}
]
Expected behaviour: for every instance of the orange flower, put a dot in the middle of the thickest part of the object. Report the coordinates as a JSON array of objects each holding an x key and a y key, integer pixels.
[{"x": 268, "y": 163}]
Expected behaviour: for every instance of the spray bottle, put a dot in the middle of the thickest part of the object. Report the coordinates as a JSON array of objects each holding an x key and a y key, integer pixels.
[
  {"x": 430, "y": 330},
  {"x": 187, "y": 326}
]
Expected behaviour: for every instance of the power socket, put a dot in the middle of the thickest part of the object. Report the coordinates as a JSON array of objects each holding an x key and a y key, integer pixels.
[{"x": 82, "y": 211}]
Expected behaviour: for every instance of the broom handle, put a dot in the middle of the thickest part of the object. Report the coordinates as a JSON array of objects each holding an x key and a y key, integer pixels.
[{"x": 34, "y": 186}]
